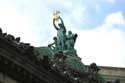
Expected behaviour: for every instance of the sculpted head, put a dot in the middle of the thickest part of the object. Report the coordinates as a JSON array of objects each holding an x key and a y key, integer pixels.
[{"x": 69, "y": 32}]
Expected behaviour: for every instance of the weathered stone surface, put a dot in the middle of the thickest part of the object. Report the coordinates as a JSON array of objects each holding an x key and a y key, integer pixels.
[
  {"x": 6, "y": 79},
  {"x": 112, "y": 73},
  {"x": 16, "y": 64}
]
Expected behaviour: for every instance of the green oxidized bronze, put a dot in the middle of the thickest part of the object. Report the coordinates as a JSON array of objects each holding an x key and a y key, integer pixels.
[
  {"x": 61, "y": 34},
  {"x": 63, "y": 57}
]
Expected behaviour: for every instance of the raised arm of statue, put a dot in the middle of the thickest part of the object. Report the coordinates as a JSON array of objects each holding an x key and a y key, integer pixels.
[
  {"x": 55, "y": 25},
  {"x": 62, "y": 24},
  {"x": 61, "y": 20}
]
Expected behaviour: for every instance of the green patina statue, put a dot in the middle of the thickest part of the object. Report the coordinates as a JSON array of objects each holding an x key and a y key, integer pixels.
[
  {"x": 61, "y": 33},
  {"x": 63, "y": 57},
  {"x": 63, "y": 41},
  {"x": 53, "y": 46},
  {"x": 70, "y": 40}
]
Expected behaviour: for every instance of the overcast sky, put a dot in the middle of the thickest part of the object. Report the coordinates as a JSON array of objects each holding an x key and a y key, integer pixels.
[{"x": 100, "y": 25}]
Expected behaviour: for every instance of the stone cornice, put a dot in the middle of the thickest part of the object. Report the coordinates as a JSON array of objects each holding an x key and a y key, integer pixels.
[{"x": 13, "y": 62}]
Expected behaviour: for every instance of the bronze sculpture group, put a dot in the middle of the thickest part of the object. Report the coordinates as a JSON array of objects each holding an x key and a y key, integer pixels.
[
  {"x": 65, "y": 58},
  {"x": 63, "y": 41}
]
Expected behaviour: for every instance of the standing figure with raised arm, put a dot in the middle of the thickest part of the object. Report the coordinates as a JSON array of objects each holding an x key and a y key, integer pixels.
[{"x": 61, "y": 31}]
